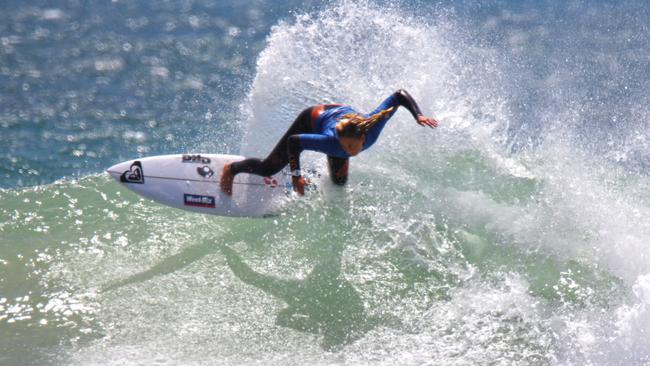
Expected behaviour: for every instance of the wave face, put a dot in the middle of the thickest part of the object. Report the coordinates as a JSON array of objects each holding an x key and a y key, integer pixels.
[{"x": 517, "y": 232}]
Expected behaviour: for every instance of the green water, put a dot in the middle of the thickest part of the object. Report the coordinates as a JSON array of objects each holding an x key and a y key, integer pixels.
[{"x": 89, "y": 268}]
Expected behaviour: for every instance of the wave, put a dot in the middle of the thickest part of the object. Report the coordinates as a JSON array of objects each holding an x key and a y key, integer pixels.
[
  {"x": 572, "y": 193},
  {"x": 491, "y": 238}
]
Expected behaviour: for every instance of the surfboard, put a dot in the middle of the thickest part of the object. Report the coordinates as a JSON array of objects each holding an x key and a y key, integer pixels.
[{"x": 191, "y": 182}]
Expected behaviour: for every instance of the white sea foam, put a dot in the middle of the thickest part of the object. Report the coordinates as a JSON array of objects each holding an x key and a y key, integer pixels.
[{"x": 578, "y": 211}]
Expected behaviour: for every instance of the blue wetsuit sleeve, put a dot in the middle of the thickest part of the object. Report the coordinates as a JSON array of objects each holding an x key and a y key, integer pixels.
[
  {"x": 391, "y": 101},
  {"x": 399, "y": 98},
  {"x": 373, "y": 134},
  {"x": 322, "y": 143}
]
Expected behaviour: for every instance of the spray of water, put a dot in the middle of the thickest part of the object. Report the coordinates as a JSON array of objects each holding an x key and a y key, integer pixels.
[{"x": 557, "y": 198}]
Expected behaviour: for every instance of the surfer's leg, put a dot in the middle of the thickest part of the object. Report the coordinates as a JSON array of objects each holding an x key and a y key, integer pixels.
[
  {"x": 338, "y": 169},
  {"x": 277, "y": 159}
]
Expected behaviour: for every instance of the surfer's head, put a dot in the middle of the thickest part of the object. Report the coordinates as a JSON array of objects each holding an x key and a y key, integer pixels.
[
  {"x": 352, "y": 145},
  {"x": 352, "y": 129},
  {"x": 351, "y": 135}
]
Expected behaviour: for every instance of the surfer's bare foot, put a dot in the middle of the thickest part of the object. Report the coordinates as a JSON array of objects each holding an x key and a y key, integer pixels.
[{"x": 227, "y": 179}]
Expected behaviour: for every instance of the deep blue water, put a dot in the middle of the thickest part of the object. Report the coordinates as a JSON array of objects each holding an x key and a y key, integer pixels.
[{"x": 85, "y": 84}]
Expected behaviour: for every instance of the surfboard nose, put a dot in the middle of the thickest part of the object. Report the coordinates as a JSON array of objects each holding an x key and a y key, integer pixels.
[{"x": 118, "y": 169}]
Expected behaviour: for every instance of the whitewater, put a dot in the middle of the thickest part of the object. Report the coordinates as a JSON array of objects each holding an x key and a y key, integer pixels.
[{"x": 517, "y": 232}]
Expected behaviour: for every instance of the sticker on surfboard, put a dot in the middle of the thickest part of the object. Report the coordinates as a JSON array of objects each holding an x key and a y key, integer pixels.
[
  {"x": 198, "y": 200},
  {"x": 205, "y": 171},
  {"x": 134, "y": 174}
]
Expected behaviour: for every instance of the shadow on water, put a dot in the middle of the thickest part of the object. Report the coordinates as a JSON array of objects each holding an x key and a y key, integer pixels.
[
  {"x": 323, "y": 303},
  {"x": 169, "y": 265}
]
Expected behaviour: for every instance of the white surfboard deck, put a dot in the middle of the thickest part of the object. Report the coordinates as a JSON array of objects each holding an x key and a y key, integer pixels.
[{"x": 191, "y": 182}]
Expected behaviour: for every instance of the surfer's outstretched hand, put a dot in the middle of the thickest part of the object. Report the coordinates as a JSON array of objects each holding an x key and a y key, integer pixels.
[
  {"x": 427, "y": 121},
  {"x": 299, "y": 184}
]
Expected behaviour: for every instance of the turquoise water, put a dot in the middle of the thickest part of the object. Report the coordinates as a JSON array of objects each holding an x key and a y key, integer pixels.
[{"x": 515, "y": 233}]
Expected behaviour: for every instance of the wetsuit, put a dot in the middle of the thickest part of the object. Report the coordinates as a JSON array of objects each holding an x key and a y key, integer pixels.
[{"x": 315, "y": 129}]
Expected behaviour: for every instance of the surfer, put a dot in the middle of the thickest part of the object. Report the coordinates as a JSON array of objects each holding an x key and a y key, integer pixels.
[{"x": 333, "y": 129}]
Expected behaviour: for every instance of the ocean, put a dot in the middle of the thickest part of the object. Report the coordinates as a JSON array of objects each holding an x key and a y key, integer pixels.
[{"x": 516, "y": 233}]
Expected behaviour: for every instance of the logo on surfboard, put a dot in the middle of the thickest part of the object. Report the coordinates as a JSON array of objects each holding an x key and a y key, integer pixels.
[
  {"x": 205, "y": 171},
  {"x": 134, "y": 174},
  {"x": 198, "y": 200},
  {"x": 196, "y": 159}
]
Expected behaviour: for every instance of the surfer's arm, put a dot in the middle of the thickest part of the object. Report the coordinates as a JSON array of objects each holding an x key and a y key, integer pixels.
[
  {"x": 325, "y": 144},
  {"x": 315, "y": 142},
  {"x": 404, "y": 99},
  {"x": 296, "y": 144},
  {"x": 294, "y": 149}
]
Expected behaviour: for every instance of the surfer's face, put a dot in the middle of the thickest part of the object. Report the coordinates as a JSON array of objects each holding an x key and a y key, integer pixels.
[{"x": 352, "y": 145}]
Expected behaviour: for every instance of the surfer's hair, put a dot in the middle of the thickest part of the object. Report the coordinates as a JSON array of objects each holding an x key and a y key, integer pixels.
[{"x": 356, "y": 125}]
